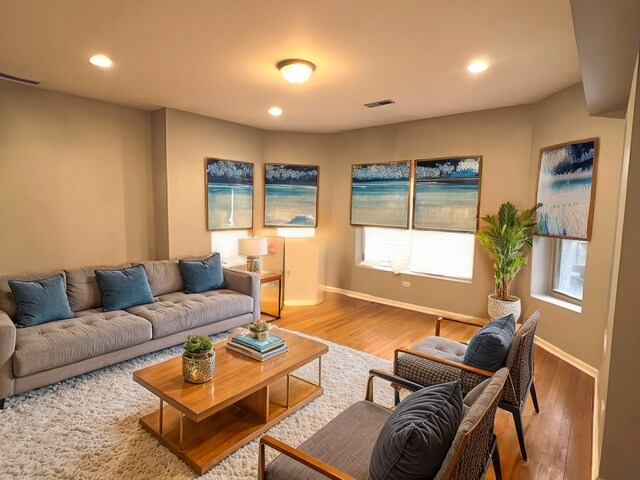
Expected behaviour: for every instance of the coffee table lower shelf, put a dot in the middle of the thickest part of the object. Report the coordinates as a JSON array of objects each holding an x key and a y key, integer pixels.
[{"x": 209, "y": 441}]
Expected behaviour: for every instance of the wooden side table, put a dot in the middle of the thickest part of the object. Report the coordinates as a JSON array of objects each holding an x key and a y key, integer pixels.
[{"x": 268, "y": 277}]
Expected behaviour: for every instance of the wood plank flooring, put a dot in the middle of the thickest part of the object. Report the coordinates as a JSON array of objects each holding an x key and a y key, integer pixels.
[{"x": 558, "y": 439}]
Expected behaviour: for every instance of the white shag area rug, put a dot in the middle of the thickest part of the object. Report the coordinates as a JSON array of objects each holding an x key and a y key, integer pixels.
[{"x": 87, "y": 427}]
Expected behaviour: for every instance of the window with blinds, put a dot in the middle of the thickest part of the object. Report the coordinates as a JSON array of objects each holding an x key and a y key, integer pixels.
[{"x": 444, "y": 254}]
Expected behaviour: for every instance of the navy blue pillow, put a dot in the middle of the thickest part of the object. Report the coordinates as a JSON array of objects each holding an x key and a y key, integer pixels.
[
  {"x": 416, "y": 437},
  {"x": 40, "y": 301},
  {"x": 202, "y": 275},
  {"x": 489, "y": 347},
  {"x": 123, "y": 288}
]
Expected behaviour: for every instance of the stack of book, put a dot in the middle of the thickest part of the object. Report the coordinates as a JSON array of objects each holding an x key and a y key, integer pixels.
[{"x": 258, "y": 349}]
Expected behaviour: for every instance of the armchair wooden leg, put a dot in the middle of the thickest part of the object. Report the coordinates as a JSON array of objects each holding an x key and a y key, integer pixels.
[
  {"x": 261, "y": 461},
  {"x": 534, "y": 397},
  {"x": 495, "y": 458},
  {"x": 396, "y": 396},
  {"x": 517, "y": 419}
]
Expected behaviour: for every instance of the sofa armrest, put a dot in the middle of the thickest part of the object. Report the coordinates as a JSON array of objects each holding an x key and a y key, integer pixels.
[
  {"x": 245, "y": 282},
  {"x": 7, "y": 348}
]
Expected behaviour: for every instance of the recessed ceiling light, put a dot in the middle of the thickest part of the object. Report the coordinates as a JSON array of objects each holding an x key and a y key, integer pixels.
[
  {"x": 477, "y": 67},
  {"x": 275, "y": 111},
  {"x": 101, "y": 60},
  {"x": 296, "y": 71}
]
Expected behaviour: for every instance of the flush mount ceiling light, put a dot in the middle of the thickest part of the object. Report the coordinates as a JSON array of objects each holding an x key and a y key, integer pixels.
[
  {"x": 275, "y": 111},
  {"x": 296, "y": 71},
  {"x": 101, "y": 60},
  {"x": 477, "y": 67}
]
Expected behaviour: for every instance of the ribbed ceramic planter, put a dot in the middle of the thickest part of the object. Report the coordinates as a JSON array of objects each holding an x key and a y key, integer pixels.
[
  {"x": 198, "y": 367},
  {"x": 500, "y": 308}
]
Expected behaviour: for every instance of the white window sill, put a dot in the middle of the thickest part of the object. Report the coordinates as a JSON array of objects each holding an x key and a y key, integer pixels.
[
  {"x": 415, "y": 274},
  {"x": 558, "y": 302}
]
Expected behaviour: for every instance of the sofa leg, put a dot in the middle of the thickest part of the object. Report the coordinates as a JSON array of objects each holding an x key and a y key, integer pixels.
[
  {"x": 534, "y": 397},
  {"x": 2, "y": 404}
]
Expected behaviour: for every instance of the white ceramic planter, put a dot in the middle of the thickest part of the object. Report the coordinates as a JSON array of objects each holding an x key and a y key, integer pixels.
[{"x": 500, "y": 308}]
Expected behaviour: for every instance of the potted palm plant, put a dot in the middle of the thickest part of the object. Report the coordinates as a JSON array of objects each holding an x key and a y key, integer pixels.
[
  {"x": 198, "y": 359},
  {"x": 508, "y": 235}
]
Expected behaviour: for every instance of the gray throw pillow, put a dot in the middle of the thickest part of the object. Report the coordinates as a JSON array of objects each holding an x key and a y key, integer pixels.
[
  {"x": 416, "y": 437},
  {"x": 489, "y": 347}
]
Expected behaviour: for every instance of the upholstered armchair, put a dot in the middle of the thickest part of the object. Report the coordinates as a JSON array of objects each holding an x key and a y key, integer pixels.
[
  {"x": 437, "y": 360},
  {"x": 344, "y": 449}
]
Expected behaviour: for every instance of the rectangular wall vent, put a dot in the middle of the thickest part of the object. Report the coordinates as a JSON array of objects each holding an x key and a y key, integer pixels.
[{"x": 379, "y": 103}]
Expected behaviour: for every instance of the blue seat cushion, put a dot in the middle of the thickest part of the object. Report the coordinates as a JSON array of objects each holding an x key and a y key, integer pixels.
[
  {"x": 416, "y": 437},
  {"x": 123, "y": 288},
  {"x": 202, "y": 275},
  {"x": 40, "y": 301},
  {"x": 489, "y": 347}
]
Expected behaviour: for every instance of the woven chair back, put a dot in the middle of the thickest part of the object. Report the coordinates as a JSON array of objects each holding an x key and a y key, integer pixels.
[{"x": 520, "y": 362}]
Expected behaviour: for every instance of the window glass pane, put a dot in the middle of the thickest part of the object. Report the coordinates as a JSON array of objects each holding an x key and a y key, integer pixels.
[
  {"x": 435, "y": 253},
  {"x": 571, "y": 258}
]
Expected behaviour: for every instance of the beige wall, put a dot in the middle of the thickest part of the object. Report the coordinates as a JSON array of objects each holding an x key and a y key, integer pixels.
[
  {"x": 560, "y": 118},
  {"x": 75, "y": 181},
  {"x": 190, "y": 138}
]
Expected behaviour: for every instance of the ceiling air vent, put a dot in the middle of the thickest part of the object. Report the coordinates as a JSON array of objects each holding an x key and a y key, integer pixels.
[
  {"x": 13, "y": 78},
  {"x": 379, "y": 103}
]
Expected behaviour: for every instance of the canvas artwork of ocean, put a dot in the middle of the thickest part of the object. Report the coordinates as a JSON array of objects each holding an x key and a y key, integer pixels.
[
  {"x": 380, "y": 194},
  {"x": 446, "y": 194},
  {"x": 564, "y": 189},
  {"x": 229, "y": 194},
  {"x": 290, "y": 195}
]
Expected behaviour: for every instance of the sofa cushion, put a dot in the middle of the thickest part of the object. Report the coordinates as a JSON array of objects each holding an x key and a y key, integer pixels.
[
  {"x": 202, "y": 275},
  {"x": 7, "y": 303},
  {"x": 123, "y": 288},
  {"x": 40, "y": 301},
  {"x": 357, "y": 427},
  {"x": 179, "y": 311},
  {"x": 82, "y": 287},
  {"x": 416, "y": 438},
  {"x": 164, "y": 277},
  {"x": 489, "y": 347},
  {"x": 64, "y": 342}
]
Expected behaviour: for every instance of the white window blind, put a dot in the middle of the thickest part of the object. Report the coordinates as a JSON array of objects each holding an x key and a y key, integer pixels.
[{"x": 445, "y": 254}]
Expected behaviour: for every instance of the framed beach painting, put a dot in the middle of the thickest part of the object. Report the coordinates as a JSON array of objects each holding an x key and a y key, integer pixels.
[
  {"x": 566, "y": 189},
  {"x": 229, "y": 187},
  {"x": 290, "y": 195},
  {"x": 380, "y": 194},
  {"x": 446, "y": 194}
]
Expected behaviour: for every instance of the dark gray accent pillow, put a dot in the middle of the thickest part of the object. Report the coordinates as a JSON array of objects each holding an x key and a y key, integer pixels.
[
  {"x": 489, "y": 347},
  {"x": 40, "y": 301},
  {"x": 202, "y": 275},
  {"x": 416, "y": 438}
]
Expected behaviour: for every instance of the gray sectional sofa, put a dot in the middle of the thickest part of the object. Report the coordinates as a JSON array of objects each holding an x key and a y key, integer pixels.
[{"x": 47, "y": 353}]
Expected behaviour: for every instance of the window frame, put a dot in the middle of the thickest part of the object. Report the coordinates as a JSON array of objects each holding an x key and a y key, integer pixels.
[{"x": 556, "y": 260}]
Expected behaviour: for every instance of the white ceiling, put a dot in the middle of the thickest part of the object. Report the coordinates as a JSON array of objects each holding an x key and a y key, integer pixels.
[{"x": 217, "y": 58}]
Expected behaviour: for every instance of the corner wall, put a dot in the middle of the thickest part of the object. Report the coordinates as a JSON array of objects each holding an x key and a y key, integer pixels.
[{"x": 75, "y": 181}]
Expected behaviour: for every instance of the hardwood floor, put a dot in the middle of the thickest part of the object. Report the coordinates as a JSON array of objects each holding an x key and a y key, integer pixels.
[{"x": 558, "y": 439}]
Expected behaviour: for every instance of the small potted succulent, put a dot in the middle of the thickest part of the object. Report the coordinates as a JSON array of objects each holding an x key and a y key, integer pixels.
[
  {"x": 198, "y": 359},
  {"x": 259, "y": 330}
]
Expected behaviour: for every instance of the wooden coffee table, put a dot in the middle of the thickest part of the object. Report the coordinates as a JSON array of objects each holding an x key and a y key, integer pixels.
[{"x": 204, "y": 423}]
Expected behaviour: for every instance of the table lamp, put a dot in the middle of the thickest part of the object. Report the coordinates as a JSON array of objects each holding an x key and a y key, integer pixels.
[{"x": 253, "y": 247}]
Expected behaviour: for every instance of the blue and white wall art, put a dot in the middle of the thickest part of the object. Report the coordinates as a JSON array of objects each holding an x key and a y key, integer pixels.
[
  {"x": 566, "y": 189},
  {"x": 447, "y": 194},
  {"x": 229, "y": 194},
  {"x": 380, "y": 194},
  {"x": 290, "y": 195}
]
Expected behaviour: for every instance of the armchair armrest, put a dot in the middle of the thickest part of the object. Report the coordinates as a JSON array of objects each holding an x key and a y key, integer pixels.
[
  {"x": 311, "y": 462},
  {"x": 471, "y": 321},
  {"x": 442, "y": 361},
  {"x": 7, "y": 349},
  {"x": 247, "y": 283},
  {"x": 394, "y": 379}
]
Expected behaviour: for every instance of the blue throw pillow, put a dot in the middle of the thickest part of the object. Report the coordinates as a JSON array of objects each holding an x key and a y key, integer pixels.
[
  {"x": 40, "y": 301},
  {"x": 416, "y": 437},
  {"x": 123, "y": 288},
  {"x": 489, "y": 347},
  {"x": 202, "y": 275}
]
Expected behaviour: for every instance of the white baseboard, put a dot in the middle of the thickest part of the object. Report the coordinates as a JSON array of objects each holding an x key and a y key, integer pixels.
[{"x": 561, "y": 354}]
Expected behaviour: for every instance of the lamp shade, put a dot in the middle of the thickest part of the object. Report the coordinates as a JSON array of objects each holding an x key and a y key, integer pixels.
[{"x": 252, "y": 247}]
